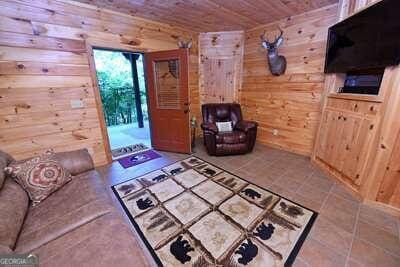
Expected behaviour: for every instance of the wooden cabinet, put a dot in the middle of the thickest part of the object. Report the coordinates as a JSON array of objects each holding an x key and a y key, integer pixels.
[{"x": 344, "y": 140}]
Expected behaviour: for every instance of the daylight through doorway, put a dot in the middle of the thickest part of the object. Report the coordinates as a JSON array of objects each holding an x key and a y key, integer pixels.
[{"x": 123, "y": 95}]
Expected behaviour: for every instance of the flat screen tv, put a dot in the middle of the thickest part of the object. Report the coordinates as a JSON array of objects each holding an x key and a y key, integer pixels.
[{"x": 369, "y": 39}]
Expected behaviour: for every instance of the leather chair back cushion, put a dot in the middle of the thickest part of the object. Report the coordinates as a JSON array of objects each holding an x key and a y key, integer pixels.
[
  {"x": 5, "y": 159},
  {"x": 13, "y": 207},
  {"x": 221, "y": 113},
  {"x": 76, "y": 162}
]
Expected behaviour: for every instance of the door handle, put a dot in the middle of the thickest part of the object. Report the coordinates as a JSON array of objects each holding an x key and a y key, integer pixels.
[
  {"x": 186, "y": 104},
  {"x": 186, "y": 111}
]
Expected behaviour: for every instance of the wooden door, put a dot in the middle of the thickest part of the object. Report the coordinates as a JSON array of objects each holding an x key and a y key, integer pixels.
[{"x": 167, "y": 86}]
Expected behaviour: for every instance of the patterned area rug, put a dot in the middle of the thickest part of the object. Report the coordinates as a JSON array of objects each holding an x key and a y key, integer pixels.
[
  {"x": 192, "y": 213},
  {"x": 127, "y": 150}
]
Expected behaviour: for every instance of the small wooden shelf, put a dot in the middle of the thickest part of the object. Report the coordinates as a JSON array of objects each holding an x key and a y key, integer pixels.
[{"x": 367, "y": 98}]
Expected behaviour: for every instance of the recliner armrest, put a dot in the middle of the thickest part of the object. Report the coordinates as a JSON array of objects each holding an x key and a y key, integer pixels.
[
  {"x": 211, "y": 127},
  {"x": 245, "y": 126}
]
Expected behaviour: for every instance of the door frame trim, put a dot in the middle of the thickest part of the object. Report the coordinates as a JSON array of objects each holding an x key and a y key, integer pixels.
[{"x": 90, "y": 45}]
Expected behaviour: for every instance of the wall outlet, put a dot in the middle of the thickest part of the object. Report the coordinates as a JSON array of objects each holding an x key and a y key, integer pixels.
[
  {"x": 275, "y": 132},
  {"x": 77, "y": 103}
]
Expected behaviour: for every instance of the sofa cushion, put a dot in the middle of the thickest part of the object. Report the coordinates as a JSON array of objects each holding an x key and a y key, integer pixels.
[
  {"x": 78, "y": 202},
  {"x": 76, "y": 162},
  {"x": 106, "y": 241},
  {"x": 13, "y": 207},
  {"x": 234, "y": 137},
  {"x": 39, "y": 176},
  {"x": 5, "y": 159}
]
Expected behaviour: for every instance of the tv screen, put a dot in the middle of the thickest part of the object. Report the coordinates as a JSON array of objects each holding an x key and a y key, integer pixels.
[{"x": 366, "y": 40}]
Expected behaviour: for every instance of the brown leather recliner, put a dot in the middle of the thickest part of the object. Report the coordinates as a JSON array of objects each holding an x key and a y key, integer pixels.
[{"x": 241, "y": 140}]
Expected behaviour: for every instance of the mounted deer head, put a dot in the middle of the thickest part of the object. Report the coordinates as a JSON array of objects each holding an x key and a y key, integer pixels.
[
  {"x": 183, "y": 44},
  {"x": 277, "y": 63}
]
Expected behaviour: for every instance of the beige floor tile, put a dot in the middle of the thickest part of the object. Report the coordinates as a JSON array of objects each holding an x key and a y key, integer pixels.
[
  {"x": 329, "y": 234},
  {"x": 321, "y": 183},
  {"x": 334, "y": 202},
  {"x": 339, "y": 190},
  {"x": 339, "y": 218},
  {"x": 378, "y": 237},
  {"x": 317, "y": 254},
  {"x": 312, "y": 192},
  {"x": 379, "y": 219},
  {"x": 370, "y": 255},
  {"x": 288, "y": 183}
]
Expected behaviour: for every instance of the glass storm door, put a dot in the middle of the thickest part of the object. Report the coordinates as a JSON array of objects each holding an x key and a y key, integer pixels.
[{"x": 167, "y": 85}]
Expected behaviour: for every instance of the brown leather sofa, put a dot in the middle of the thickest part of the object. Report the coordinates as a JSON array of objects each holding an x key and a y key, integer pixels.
[
  {"x": 75, "y": 226},
  {"x": 241, "y": 140}
]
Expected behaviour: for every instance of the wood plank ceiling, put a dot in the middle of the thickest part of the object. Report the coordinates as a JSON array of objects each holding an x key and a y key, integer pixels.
[{"x": 212, "y": 15}]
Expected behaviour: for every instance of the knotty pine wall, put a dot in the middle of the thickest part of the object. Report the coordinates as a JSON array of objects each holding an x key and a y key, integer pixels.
[
  {"x": 220, "y": 66},
  {"x": 44, "y": 65},
  {"x": 290, "y": 103}
]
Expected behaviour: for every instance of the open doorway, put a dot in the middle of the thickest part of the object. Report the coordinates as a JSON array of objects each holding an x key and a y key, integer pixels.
[{"x": 123, "y": 95}]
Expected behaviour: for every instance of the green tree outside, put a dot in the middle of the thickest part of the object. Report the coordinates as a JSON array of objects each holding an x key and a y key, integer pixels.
[{"x": 114, "y": 74}]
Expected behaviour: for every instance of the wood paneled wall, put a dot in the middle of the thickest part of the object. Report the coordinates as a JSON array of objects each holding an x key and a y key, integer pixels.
[
  {"x": 44, "y": 65},
  {"x": 288, "y": 107},
  {"x": 220, "y": 66},
  {"x": 349, "y": 7}
]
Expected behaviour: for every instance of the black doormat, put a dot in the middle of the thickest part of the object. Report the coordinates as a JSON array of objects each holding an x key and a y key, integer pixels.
[{"x": 194, "y": 213}]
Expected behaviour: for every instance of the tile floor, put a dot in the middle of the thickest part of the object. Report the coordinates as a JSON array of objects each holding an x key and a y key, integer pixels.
[{"x": 346, "y": 232}]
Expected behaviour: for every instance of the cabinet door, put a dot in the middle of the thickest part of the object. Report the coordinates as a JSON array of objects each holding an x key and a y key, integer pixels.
[
  {"x": 355, "y": 155},
  {"x": 344, "y": 143},
  {"x": 326, "y": 144}
]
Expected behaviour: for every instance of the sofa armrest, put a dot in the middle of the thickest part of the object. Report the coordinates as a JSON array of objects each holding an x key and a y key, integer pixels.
[
  {"x": 245, "y": 126},
  {"x": 210, "y": 127},
  {"x": 76, "y": 162}
]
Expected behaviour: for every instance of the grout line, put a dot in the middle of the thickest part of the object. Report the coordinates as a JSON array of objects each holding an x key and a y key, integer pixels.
[
  {"x": 353, "y": 234},
  {"x": 326, "y": 199}
]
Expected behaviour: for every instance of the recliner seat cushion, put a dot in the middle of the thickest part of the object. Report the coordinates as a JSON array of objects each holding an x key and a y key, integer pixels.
[
  {"x": 77, "y": 203},
  {"x": 14, "y": 204},
  {"x": 234, "y": 137}
]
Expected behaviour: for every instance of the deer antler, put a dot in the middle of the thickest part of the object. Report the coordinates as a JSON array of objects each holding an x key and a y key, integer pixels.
[
  {"x": 280, "y": 34},
  {"x": 263, "y": 37}
]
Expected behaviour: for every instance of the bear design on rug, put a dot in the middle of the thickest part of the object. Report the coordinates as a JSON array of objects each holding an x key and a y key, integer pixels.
[
  {"x": 176, "y": 171},
  {"x": 144, "y": 204},
  {"x": 127, "y": 188},
  {"x": 180, "y": 249},
  {"x": 248, "y": 251},
  {"x": 251, "y": 193},
  {"x": 159, "y": 178},
  {"x": 209, "y": 172},
  {"x": 264, "y": 232}
]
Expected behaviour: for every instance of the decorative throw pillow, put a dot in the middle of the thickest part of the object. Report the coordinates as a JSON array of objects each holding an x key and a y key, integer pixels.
[
  {"x": 39, "y": 176},
  {"x": 224, "y": 126}
]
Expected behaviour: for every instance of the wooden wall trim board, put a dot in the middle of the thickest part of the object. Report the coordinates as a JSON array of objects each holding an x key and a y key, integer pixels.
[
  {"x": 290, "y": 103},
  {"x": 45, "y": 62}
]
